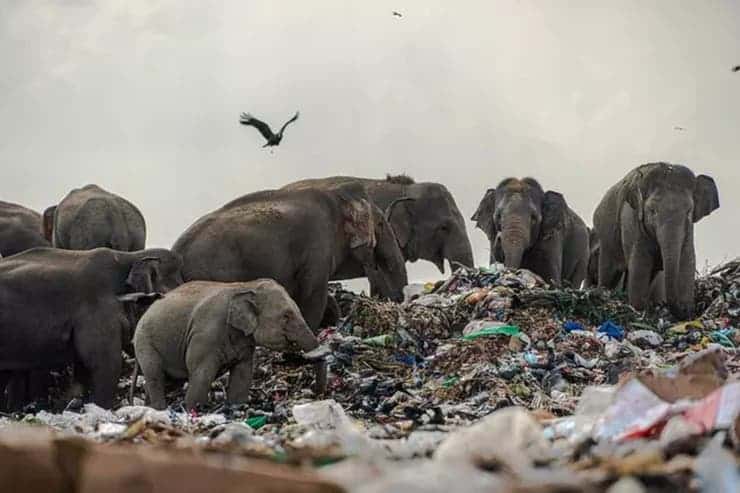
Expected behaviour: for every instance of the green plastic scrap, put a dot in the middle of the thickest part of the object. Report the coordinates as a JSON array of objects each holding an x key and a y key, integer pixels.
[
  {"x": 256, "y": 422},
  {"x": 450, "y": 381},
  {"x": 502, "y": 330},
  {"x": 381, "y": 340}
]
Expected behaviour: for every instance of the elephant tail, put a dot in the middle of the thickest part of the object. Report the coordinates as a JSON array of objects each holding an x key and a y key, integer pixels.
[{"x": 132, "y": 388}]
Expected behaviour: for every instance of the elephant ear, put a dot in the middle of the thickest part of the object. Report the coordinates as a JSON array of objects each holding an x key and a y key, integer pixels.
[
  {"x": 554, "y": 213},
  {"x": 483, "y": 216},
  {"x": 243, "y": 314},
  {"x": 400, "y": 215},
  {"x": 357, "y": 217},
  {"x": 142, "y": 277},
  {"x": 631, "y": 192},
  {"x": 48, "y": 222},
  {"x": 706, "y": 197}
]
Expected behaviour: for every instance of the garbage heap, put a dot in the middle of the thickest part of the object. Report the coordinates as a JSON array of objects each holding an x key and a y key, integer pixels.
[{"x": 490, "y": 380}]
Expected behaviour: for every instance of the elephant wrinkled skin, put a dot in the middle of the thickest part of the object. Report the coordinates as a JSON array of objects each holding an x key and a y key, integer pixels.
[
  {"x": 297, "y": 237},
  {"x": 20, "y": 229},
  {"x": 90, "y": 217},
  {"x": 61, "y": 306},
  {"x": 530, "y": 228},
  {"x": 424, "y": 217},
  {"x": 203, "y": 329},
  {"x": 645, "y": 224}
]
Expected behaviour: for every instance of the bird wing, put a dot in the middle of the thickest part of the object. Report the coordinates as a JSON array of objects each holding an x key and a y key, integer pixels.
[
  {"x": 295, "y": 117},
  {"x": 736, "y": 68},
  {"x": 264, "y": 128}
]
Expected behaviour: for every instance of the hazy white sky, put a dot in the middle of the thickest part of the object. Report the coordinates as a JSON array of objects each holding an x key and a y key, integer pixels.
[{"x": 143, "y": 98}]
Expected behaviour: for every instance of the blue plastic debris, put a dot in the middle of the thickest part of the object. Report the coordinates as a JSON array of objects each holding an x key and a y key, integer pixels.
[
  {"x": 612, "y": 330},
  {"x": 571, "y": 325}
]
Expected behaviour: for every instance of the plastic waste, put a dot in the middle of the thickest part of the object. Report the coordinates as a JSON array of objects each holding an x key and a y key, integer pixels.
[
  {"x": 612, "y": 330},
  {"x": 256, "y": 422},
  {"x": 645, "y": 338},
  {"x": 383, "y": 340},
  {"x": 571, "y": 325},
  {"x": 725, "y": 337},
  {"x": 487, "y": 328}
]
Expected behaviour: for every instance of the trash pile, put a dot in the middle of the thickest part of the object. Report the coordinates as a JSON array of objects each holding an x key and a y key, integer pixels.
[{"x": 491, "y": 377}]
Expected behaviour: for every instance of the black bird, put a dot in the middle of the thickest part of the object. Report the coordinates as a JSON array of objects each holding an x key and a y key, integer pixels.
[
  {"x": 680, "y": 129},
  {"x": 397, "y": 14},
  {"x": 272, "y": 138},
  {"x": 736, "y": 68}
]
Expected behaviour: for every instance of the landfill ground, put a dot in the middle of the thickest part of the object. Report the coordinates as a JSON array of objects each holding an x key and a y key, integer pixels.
[{"x": 486, "y": 381}]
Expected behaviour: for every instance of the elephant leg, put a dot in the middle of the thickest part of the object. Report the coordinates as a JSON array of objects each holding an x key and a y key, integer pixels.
[
  {"x": 102, "y": 359},
  {"x": 311, "y": 299},
  {"x": 240, "y": 380},
  {"x": 17, "y": 390},
  {"x": 609, "y": 272},
  {"x": 640, "y": 269},
  {"x": 154, "y": 378},
  {"x": 5, "y": 376},
  {"x": 199, "y": 383}
]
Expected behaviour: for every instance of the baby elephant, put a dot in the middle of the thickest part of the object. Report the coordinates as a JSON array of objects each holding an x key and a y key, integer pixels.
[{"x": 202, "y": 329}]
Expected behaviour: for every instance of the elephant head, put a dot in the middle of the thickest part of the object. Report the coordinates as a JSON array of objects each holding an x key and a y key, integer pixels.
[
  {"x": 269, "y": 315},
  {"x": 667, "y": 200},
  {"x": 428, "y": 225},
  {"x": 151, "y": 273},
  {"x": 390, "y": 277},
  {"x": 358, "y": 224},
  {"x": 516, "y": 216}
]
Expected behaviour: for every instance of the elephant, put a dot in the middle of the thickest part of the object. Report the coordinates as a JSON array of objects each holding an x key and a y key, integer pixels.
[
  {"x": 90, "y": 217},
  {"x": 657, "y": 287},
  {"x": 20, "y": 229},
  {"x": 424, "y": 217},
  {"x": 389, "y": 257},
  {"x": 297, "y": 237},
  {"x": 645, "y": 224},
  {"x": 536, "y": 230},
  {"x": 203, "y": 328},
  {"x": 61, "y": 306}
]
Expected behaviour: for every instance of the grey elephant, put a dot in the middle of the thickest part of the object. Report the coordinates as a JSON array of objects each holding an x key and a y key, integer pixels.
[
  {"x": 20, "y": 229},
  {"x": 645, "y": 224},
  {"x": 657, "y": 287},
  {"x": 90, "y": 217},
  {"x": 530, "y": 228},
  {"x": 424, "y": 217},
  {"x": 297, "y": 237},
  {"x": 203, "y": 329},
  {"x": 60, "y": 307}
]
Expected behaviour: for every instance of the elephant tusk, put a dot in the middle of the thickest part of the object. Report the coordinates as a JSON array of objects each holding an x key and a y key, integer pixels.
[
  {"x": 318, "y": 353},
  {"x": 138, "y": 296}
]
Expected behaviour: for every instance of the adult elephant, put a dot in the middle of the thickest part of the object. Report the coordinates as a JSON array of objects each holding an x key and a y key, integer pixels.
[
  {"x": 60, "y": 306},
  {"x": 297, "y": 237},
  {"x": 388, "y": 255},
  {"x": 90, "y": 217},
  {"x": 424, "y": 217},
  {"x": 530, "y": 228},
  {"x": 657, "y": 287},
  {"x": 645, "y": 224},
  {"x": 20, "y": 229}
]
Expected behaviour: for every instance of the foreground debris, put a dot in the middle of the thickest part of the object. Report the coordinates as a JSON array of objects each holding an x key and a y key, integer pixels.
[{"x": 491, "y": 376}]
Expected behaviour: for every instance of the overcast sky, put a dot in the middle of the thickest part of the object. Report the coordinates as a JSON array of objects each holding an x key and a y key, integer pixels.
[{"x": 143, "y": 98}]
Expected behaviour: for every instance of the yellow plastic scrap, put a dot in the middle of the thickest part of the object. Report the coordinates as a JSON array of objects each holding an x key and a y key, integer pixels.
[
  {"x": 684, "y": 327},
  {"x": 428, "y": 287}
]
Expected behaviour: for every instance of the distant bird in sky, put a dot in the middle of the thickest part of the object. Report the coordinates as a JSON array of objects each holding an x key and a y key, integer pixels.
[
  {"x": 273, "y": 139},
  {"x": 679, "y": 128},
  {"x": 397, "y": 14},
  {"x": 736, "y": 68}
]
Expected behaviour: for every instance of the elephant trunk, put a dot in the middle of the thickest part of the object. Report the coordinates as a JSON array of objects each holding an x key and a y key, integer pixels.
[
  {"x": 458, "y": 251},
  {"x": 312, "y": 350},
  {"x": 514, "y": 240},
  {"x": 670, "y": 240}
]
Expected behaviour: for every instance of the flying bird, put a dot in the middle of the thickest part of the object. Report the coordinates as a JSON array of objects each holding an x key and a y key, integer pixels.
[
  {"x": 680, "y": 129},
  {"x": 397, "y": 14},
  {"x": 273, "y": 139},
  {"x": 736, "y": 68}
]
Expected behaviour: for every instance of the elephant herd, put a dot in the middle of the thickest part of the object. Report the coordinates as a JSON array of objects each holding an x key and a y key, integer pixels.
[{"x": 78, "y": 286}]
